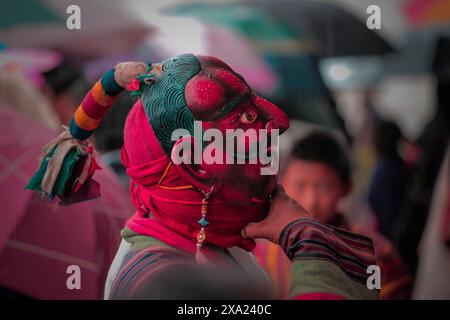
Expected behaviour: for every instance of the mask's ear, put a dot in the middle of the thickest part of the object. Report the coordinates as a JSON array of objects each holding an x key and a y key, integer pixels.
[{"x": 183, "y": 158}]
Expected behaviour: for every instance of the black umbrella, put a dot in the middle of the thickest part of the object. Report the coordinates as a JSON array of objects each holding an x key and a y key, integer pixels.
[
  {"x": 423, "y": 50},
  {"x": 336, "y": 31}
]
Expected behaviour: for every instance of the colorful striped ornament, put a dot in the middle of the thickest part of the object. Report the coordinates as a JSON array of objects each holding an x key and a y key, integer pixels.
[
  {"x": 94, "y": 106},
  {"x": 68, "y": 162}
]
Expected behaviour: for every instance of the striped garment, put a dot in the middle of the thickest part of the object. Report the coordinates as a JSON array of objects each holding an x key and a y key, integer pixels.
[
  {"x": 134, "y": 271},
  {"x": 395, "y": 279},
  {"x": 327, "y": 263},
  {"x": 353, "y": 253}
]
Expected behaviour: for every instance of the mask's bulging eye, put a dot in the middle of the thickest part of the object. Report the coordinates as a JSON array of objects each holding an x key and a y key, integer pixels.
[{"x": 248, "y": 117}]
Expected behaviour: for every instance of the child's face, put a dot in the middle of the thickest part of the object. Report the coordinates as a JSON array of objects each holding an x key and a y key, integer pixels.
[{"x": 316, "y": 186}]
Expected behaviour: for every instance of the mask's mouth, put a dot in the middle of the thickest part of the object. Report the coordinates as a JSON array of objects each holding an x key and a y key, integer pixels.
[{"x": 258, "y": 201}]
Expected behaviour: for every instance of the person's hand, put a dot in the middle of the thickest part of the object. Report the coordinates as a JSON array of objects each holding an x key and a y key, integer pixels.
[
  {"x": 125, "y": 71},
  {"x": 283, "y": 211}
]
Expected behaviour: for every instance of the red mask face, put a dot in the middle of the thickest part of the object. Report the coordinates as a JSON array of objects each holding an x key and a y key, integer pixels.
[{"x": 222, "y": 100}]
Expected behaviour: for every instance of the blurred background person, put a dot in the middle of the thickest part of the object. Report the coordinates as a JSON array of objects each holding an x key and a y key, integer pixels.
[
  {"x": 15, "y": 78},
  {"x": 431, "y": 146},
  {"x": 64, "y": 86},
  {"x": 389, "y": 177},
  {"x": 433, "y": 280}
]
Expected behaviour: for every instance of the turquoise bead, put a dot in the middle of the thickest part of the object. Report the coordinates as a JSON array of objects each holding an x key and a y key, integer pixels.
[{"x": 203, "y": 222}]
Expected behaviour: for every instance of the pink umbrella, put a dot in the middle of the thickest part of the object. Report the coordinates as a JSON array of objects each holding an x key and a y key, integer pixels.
[{"x": 40, "y": 240}]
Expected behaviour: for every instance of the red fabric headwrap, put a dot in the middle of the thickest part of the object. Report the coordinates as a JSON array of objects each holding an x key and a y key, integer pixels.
[{"x": 172, "y": 215}]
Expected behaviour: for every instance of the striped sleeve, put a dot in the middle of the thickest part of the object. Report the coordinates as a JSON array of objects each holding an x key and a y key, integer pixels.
[
  {"x": 139, "y": 269},
  {"x": 328, "y": 262},
  {"x": 96, "y": 103}
]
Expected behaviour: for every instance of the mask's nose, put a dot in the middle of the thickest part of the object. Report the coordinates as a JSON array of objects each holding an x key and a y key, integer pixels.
[{"x": 276, "y": 119}]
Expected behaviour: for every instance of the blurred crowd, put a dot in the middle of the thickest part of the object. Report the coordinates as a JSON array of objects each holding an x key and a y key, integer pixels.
[{"x": 367, "y": 149}]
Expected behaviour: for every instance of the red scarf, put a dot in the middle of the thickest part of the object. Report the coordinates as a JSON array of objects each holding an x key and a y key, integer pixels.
[{"x": 169, "y": 208}]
